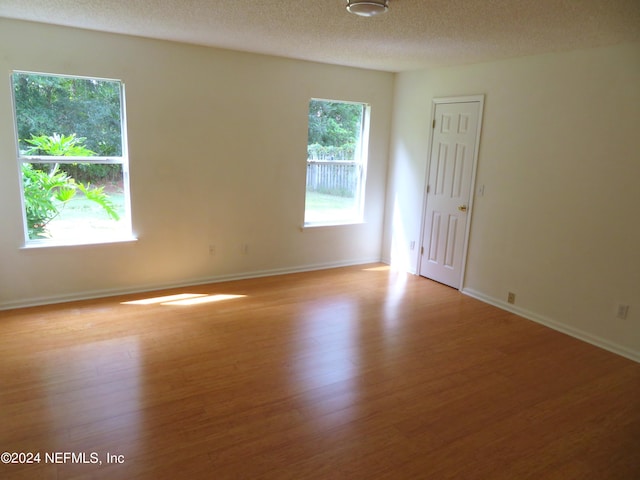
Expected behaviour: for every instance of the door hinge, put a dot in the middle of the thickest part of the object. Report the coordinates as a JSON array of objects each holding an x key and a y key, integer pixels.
[
  {"x": 421, "y": 250},
  {"x": 433, "y": 125},
  {"x": 428, "y": 188}
]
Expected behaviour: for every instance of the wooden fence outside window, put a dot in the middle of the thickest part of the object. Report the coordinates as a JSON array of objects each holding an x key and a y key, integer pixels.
[{"x": 334, "y": 177}]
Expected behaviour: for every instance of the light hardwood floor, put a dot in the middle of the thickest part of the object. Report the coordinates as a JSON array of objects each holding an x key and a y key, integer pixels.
[{"x": 350, "y": 373}]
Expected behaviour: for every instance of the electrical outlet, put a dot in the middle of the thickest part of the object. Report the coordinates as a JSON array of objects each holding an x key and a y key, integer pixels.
[
  {"x": 622, "y": 311},
  {"x": 511, "y": 298},
  {"x": 244, "y": 249}
]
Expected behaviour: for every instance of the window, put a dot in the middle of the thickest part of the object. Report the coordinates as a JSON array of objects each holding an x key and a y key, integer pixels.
[
  {"x": 72, "y": 156},
  {"x": 336, "y": 162}
]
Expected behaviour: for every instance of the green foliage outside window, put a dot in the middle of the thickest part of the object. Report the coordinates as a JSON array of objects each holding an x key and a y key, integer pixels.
[
  {"x": 46, "y": 193},
  {"x": 334, "y": 130},
  {"x": 88, "y": 107}
]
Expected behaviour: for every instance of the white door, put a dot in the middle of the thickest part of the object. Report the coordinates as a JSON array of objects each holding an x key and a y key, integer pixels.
[{"x": 448, "y": 199}]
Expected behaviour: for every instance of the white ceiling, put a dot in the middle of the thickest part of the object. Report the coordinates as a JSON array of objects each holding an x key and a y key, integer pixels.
[{"x": 414, "y": 34}]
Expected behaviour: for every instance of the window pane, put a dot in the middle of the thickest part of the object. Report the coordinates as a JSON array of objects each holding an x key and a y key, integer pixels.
[
  {"x": 334, "y": 162},
  {"x": 326, "y": 208},
  {"x": 69, "y": 202},
  {"x": 88, "y": 206},
  {"x": 67, "y": 116}
]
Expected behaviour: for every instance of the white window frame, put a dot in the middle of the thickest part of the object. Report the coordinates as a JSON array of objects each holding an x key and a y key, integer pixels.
[
  {"x": 123, "y": 160},
  {"x": 361, "y": 158}
]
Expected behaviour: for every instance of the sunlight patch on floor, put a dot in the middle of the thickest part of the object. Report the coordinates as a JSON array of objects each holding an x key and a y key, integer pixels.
[
  {"x": 383, "y": 268},
  {"x": 203, "y": 299},
  {"x": 183, "y": 299}
]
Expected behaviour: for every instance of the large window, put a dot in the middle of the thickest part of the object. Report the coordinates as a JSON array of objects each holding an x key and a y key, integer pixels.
[
  {"x": 72, "y": 156},
  {"x": 336, "y": 162}
]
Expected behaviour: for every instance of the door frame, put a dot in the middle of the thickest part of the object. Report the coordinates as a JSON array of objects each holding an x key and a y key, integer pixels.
[{"x": 472, "y": 192}]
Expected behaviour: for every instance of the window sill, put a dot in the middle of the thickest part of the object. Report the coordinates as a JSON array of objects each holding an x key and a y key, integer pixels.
[
  {"x": 39, "y": 244},
  {"x": 316, "y": 225}
]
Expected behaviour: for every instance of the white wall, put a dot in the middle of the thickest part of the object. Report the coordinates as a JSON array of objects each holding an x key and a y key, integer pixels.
[
  {"x": 217, "y": 143},
  {"x": 560, "y": 160}
]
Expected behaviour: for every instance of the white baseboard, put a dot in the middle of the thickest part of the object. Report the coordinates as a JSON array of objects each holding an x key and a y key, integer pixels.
[
  {"x": 559, "y": 326},
  {"x": 92, "y": 294}
]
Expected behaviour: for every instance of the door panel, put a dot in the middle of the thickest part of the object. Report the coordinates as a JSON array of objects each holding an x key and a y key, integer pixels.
[{"x": 449, "y": 191}]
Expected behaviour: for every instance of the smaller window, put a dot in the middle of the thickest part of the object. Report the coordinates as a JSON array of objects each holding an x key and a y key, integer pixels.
[
  {"x": 72, "y": 158},
  {"x": 336, "y": 162}
]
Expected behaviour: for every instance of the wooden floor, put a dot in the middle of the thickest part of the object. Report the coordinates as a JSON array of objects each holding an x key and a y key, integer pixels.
[{"x": 352, "y": 373}]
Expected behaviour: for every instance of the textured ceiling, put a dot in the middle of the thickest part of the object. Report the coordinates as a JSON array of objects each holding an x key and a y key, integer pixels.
[{"x": 413, "y": 34}]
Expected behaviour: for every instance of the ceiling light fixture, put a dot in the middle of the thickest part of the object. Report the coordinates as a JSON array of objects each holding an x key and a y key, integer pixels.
[{"x": 367, "y": 8}]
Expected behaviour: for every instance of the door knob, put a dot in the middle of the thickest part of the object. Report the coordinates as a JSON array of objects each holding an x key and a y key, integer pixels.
[{"x": 462, "y": 208}]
